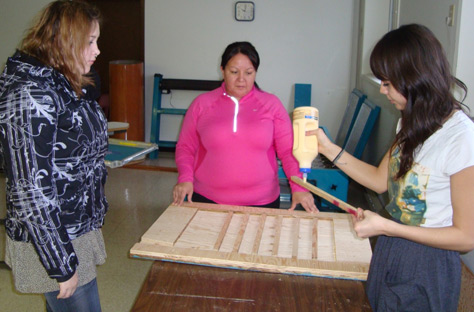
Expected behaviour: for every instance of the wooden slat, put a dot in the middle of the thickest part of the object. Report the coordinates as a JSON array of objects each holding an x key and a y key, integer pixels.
[
  {"x": 240, "y": 236},
  {"x": 232, "y": 232},
  {"x": 276, "y": 242},
  {"x": 315, "y": 239},
  {"x": 257, "y": 210},
  {"x": 334, "y": 241},
  {"x": 203, "y": 230},
  {"x": 333, "y": 200},
  {"x": 258, "y": 237},
  {"x": 296, "y": 234},
  {"x": 223, "y": 231},
  {"x": 167, "y": 230},
  {"x": 268, "y": 237}
]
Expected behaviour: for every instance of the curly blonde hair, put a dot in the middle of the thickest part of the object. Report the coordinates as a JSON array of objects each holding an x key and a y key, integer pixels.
[{"x": 59, "y": 37}]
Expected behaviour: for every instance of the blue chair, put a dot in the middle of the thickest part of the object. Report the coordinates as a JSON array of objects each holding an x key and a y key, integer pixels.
[
  {"x": 302, "y": 94},
  {"x": 353, "y": 134},
  {"x": 363, "y": 124},
  {"x": 356, "y": 97}
]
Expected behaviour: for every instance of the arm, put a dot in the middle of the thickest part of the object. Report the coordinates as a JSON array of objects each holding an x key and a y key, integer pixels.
[
  {"x": 458, "y": 237},
  {"x": 374, "y": 178},
  {"x": 186, "y": 152},
  {"x": 29, "y": 140}
]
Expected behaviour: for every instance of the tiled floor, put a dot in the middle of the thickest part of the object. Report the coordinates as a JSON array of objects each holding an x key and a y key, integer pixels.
[{"x": 137, "y": 198}]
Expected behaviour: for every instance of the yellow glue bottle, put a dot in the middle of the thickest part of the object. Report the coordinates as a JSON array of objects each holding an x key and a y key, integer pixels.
[{"x": 305, "y": 148}]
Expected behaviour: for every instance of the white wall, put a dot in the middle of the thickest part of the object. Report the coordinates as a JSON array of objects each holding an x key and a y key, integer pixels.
[
  {"x": 299, "y": 41},
  {"x": 465, "y": 51},
  {"x": 15, "y": 18},
  {"x": 456, "y": 39},
  {"x": 375, "y": 23},
  {"x": 433, "y": 15},
  {"x": 375, "y": 16}
]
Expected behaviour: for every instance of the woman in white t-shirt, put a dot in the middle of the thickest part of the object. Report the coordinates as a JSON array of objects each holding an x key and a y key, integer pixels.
[{"x": 428, "y": 172}]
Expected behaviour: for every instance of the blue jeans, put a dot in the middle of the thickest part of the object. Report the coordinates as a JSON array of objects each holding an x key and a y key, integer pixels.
[{"x": 84, "y": 299}]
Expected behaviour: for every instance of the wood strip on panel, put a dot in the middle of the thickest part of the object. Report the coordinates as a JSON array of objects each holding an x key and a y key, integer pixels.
[
  {"x": 258, "y": 237},
  {"x": 223, "y": 231},
  {"x": 296, "y": 234},
  {"x": 315, "y": 238},
  {"x": 169, "y": 226},
  {"x": 184, "y": 228},
  {"x": 276, "y": 242},
  {"x": 257, "y": 210},
  {"x": 334, "y": 240},
  {"x": 330, "y": 198},
  {"x": 240, "y": 236}
]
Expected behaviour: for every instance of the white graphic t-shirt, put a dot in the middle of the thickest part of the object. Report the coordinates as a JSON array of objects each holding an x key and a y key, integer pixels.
[{"x": 423, "y": 196}]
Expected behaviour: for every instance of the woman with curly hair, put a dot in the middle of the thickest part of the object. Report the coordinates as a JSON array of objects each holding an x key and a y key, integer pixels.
[{"x": 53, "y": 140}]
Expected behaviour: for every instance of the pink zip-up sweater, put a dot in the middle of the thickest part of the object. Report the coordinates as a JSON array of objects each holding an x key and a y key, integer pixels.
[{"x": 228, "y": 148}]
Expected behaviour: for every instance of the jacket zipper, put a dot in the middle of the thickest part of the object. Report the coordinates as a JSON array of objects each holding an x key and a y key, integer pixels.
[{"x": 236, "y": 111}]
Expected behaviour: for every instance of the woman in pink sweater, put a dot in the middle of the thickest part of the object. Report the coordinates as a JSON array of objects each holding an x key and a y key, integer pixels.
[{"x": 230, "y": 139}]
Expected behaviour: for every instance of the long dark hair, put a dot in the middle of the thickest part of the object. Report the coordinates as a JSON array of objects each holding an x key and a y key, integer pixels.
[
  {"x": 242, "y": 47},
  {"x": 414, "y": 62}
]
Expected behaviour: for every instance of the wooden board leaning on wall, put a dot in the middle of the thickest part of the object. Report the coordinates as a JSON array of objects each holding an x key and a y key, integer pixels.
[{"x": 261, "y": 239}]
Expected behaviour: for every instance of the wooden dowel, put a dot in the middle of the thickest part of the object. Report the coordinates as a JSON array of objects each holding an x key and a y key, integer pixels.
[
  {"x": 223, "y": 231},
  {"x": 333, "y": 237},
  {"x": 240, "y": 236},
  {"x": 276, "y": 241},
  {"x": 258, "y": 237},
  {"x": 315, "y": 239},
  {"x": 333, "y": 200},
  {"x": 296, "y": 235},
  {"x": 187, "y": 224}
]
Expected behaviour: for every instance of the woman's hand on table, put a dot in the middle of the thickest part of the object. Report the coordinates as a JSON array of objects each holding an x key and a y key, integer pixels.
[
  {"x": 305, "y": 199},
  {"x": 180, "y": 191}
]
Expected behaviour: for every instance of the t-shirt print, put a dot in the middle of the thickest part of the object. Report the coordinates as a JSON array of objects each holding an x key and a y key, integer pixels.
[{"x": 408, "y": 194}]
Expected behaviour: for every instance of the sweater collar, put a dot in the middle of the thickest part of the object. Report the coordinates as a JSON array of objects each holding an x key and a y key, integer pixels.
[{"x": 224, "y": 92}]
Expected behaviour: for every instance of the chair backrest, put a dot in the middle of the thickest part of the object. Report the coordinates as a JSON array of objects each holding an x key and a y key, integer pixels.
[
  {"x": 361, "y": 128},
  {"x": 302, "y": 94},
  {"x": 356, "y": 97}
]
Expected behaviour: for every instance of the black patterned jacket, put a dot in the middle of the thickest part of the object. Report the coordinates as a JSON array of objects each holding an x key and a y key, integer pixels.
[{"x": 53, "y": 146}]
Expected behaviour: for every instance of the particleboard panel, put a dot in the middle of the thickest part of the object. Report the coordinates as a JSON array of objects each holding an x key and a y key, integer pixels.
[{"x": 270, "y": 240}]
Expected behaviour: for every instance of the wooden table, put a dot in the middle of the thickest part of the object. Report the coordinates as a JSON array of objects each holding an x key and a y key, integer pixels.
[{"x": 172, "y": 286}]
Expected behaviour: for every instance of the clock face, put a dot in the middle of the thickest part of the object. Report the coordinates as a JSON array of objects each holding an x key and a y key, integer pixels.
[{"x": 244, "y": 11}]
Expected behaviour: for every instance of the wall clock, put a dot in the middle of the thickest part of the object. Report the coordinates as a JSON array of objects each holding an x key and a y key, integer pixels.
[{"x": 244, "y": 11}]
